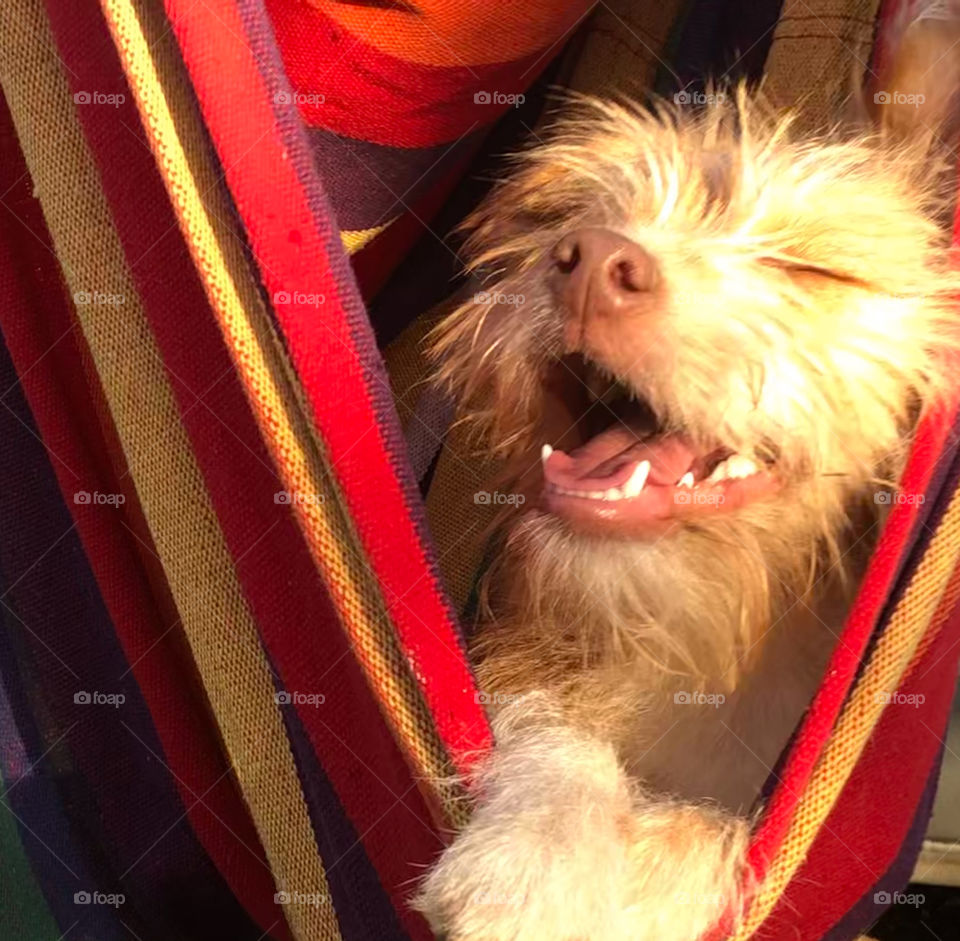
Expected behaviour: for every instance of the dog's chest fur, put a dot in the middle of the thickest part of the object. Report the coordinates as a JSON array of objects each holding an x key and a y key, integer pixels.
[
  {"x": 726, "y": 749},
  {"x": 706, "y": 739}
]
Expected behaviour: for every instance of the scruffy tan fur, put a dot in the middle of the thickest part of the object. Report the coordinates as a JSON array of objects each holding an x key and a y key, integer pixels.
[{"x": 805, "y": 314}]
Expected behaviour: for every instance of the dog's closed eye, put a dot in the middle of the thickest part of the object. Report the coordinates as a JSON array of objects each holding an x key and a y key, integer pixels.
[{"x": 796, "y": 267}]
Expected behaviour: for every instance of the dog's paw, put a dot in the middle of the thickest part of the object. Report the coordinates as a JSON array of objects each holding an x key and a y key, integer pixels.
[
  {"x": 564, "y": 847},
  {"x": 545, "y": 855}
]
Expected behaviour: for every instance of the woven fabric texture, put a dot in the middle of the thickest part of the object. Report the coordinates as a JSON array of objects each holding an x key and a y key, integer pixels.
[
  {"x": 201, "y": 197},
  {"x": 169, "y": 485}
]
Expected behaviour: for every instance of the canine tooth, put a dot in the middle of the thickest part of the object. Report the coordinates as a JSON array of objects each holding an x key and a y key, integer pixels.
[
  {"x": 634, "y": 486},
  {"x": 686, "y": 480},
  {"x": 545, "y": 452}
]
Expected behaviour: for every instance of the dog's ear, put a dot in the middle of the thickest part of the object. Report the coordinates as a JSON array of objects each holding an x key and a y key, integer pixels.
[{"x": 915, "y": 96}]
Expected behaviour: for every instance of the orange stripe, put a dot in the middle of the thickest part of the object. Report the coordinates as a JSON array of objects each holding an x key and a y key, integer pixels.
[{"x": 457, "y": 32}]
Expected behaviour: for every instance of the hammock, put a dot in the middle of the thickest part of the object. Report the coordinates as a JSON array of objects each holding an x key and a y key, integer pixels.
[{"x": 234, "y": 695}]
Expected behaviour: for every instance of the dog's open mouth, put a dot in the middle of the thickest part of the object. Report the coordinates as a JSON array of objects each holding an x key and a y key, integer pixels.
[{"x": 628, "y": 473}]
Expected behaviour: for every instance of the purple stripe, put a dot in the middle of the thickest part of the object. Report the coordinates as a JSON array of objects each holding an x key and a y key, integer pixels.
[
  {"x": 369, "y": 184},
  {"x": 364, "y": 911},
  {"x": 426, "y": 429},
  {"x": 117, "y": 793},
  {"x": 723, "y": 40},
  {"x": 40, "y": 790}
]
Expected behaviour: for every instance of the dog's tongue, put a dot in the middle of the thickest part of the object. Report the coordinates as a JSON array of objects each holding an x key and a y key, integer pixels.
[{"x": 609, "y": 459}]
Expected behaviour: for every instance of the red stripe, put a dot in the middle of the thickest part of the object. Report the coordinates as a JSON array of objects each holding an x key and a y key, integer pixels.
[
  {"x": 45, "y": 345},
  {"x": 299, "y": 253},
  {"x": 298, "y": 624},
  {"x": 348, "y": 86}
]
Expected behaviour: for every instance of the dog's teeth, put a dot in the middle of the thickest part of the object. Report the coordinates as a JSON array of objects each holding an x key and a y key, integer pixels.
[
  {"x": 734, "y": 467},
  {"x": 545, "y": 452},
  {"x": 686, "y": 480},
  {"x": 720, "y": 472},
  {"x": 614, "y": 493},
  {"x": 634, "y": 486},
  {"x": 740, "y": 466}
]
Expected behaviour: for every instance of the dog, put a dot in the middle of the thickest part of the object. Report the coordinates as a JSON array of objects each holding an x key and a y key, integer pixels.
[{"x": 702, "y": 345}]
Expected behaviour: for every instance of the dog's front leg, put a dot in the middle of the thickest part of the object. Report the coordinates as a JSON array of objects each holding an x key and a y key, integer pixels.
[{"x": 563, "y": 846}]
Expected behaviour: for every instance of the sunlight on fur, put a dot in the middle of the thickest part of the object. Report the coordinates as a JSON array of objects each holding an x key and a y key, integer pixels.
[{"x": 727, "y": 334}]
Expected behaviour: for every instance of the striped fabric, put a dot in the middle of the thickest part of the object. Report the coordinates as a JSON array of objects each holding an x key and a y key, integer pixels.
[
  {"x": 234, "y": 698},
  {"x": 397, "y": 97}
]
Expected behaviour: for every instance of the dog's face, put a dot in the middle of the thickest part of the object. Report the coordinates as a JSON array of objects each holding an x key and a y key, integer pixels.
[
  {"x": 690, "y": 317},
  {"x": 699, "y": 324}
]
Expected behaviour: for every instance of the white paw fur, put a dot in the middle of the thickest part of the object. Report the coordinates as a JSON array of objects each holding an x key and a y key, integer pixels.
[{"x": 565, "y": 847}]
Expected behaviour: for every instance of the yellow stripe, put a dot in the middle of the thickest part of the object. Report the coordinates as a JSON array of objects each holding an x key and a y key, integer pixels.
[
  {"x": 191, "y": 547},
  {"x": 277, "y": 402},
  {"x": 357, "y": 239},
  {"x": 889, "y": 662}
]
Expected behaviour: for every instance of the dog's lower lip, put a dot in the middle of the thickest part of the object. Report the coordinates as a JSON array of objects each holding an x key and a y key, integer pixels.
[
  {"x": 648, "y": 483},
  {"x": 657, "y": 506}
]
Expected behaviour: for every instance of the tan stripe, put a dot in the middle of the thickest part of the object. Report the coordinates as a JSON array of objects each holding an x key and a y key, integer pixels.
[
  {"x": 941, "y": 618},
  {"x": 268, "y": 379},
  {"x": 818, "y": 47},
  {"x": 623, "y": 47},
  {"x": 185, "y": 530},
  {"x": 895, "y": 652}
]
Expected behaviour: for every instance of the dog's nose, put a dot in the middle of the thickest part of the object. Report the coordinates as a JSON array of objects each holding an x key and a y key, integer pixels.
[{"x": 597, "y": 266}]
